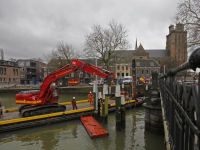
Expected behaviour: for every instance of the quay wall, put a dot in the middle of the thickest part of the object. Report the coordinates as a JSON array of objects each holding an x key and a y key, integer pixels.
[{"x": 70, "y": 89}]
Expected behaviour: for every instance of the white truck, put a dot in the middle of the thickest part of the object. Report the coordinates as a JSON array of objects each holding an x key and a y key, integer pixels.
[{"x": 128, "y": 80}]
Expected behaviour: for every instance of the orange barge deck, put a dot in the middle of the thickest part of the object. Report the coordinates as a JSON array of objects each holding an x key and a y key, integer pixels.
[{"x": 94, "y": 129}]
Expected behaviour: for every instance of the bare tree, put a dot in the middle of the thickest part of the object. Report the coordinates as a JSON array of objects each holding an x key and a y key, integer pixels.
[
  {"x": 104, "y": 43},
  {"x": 189, "y": 15},
  {"x": 168, "y": 63},
  {"x": 61, "y": 56}
]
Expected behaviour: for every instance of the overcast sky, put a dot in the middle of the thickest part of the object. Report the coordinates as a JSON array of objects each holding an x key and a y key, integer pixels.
[{"x": 29, "y": 28}]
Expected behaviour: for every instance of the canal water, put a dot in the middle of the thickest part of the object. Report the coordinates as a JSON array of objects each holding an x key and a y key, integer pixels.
[{"x": 73, "y": 136}]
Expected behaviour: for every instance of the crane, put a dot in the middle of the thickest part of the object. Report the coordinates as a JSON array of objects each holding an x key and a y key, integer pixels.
[{"x": 44, "y": 101}]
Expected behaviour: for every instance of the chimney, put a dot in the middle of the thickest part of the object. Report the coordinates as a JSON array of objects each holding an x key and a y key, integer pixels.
[{"x": 1, "y": 54}]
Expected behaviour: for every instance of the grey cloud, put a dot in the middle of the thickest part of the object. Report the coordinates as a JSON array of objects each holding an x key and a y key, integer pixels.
[{"x": 30, "y": 28}]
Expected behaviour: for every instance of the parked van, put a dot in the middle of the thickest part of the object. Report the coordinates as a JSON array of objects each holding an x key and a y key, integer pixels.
[{"x": 128, "y": 80}]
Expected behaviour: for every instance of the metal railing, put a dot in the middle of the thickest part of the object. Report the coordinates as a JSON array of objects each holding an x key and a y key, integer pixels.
[{"x": 181, "y": 105}]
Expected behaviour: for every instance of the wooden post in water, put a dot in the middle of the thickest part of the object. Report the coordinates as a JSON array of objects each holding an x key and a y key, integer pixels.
[
  {"x": 105, "y": 97},
  {"x": 101, "y": 107},
  {"x": 95, "y": 102},
  {"x": 123, "y": 112},
  {"x": 118, "y": 107},
  {"x": 134, "y": 80}
]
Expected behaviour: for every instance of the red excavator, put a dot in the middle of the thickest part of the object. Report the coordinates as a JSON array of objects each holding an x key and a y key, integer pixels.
[{"x": 44, "y": 101}]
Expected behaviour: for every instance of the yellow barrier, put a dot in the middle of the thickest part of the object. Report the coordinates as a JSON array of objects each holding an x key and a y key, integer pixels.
[
  {"x": 66, "y": 103},
  {"x": 9, "y": 110},
  {"x": 131, "y": 101},
  {"x": 44, "y": 116}
]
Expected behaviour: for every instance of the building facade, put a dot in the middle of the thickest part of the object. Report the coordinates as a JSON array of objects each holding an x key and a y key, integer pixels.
[
  {"x": 9, "y": 73},
  {"x": 31, "y": 71},
  {"x": 174, "y": 54},
  {"x": 144, "y": 67}
]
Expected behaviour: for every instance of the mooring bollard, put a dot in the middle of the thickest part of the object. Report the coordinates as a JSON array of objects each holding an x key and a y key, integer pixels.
[{"x": 153, "y": 110}]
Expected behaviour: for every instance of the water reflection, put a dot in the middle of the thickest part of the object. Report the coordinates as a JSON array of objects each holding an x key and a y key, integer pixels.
[{"x": 46, "y": 137}]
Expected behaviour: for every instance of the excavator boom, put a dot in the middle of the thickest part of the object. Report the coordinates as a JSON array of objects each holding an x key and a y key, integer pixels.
[{"x": 48, "y": 93}]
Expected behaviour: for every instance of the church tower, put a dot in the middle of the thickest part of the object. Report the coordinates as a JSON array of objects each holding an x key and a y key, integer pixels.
[{"x": 177, "y": 43}]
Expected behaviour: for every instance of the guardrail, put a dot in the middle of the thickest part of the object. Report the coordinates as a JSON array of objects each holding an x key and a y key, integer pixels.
[{"x": 181, "y": 105}]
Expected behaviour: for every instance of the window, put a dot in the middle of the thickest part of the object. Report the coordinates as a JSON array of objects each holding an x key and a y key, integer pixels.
[
  {"x": 45, "y": 69},
  {"x": 147, "y": 71},
  {"x": 13, "y": 79},
  {"x": 4, "y": 79},
  {"x": 137, "y": 63},
  {"x": 67, "y": 76},
  {"x": 28, "y": 63},
  {"x": 111, "y": 68},
  {"x": 16, "y": 72},
  {"x": 1, "y": 71},
  {"x": 45, "y": 74},
  {"x": 118, "y": 67},
  {"x": 142, "y": 71},
  {"x": 22, "y": 69},
  {"x": 72, "y": 74},
  {"x": 126, "y": 67},
  {"x": 22, "y": 75},
  {"x": 122, "y": 67},
  {"x": 127, "y": 74},
  {"x": 151, "y": 63},
  {"x": 1, "y": 79},
  {"x": 141, "y": 58},
  {"x": 21, "y": 63},
  {"x": 9, "y": 79},
  {"x": 122, "y": 75},
  {"x": 118, "y": 75},
  {"x": 137, "y": 71},
  {"x": 4, "y": 71},
  {"x": 13, "y": 72},
  {"x": 16, "y": 79},
  {"x": 80, "y": 74},
  {"x": 40, "y": 70}
]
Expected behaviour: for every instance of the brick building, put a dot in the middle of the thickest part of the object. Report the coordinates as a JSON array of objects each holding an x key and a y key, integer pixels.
[
  {"x": 9, "y": 73},
  {"x": 31, "y": 70},
  {"x": 174, "y": 54},
  {"x": 177, "y": 43}
]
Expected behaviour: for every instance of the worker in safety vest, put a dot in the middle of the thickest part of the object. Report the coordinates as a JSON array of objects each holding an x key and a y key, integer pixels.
[
  {"x": 74, "y": 103},
  {"x": 90, "y": 96}
]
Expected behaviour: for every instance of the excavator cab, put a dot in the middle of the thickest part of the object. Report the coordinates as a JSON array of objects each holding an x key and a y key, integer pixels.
[{"x": 55, "y": 94}]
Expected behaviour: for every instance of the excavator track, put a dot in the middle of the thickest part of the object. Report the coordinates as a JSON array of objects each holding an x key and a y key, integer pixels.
[{"x": 43, "y": 109}]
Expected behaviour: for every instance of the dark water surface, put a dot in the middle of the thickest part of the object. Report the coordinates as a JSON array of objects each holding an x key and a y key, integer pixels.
[{"x": 72, "y": 135}]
